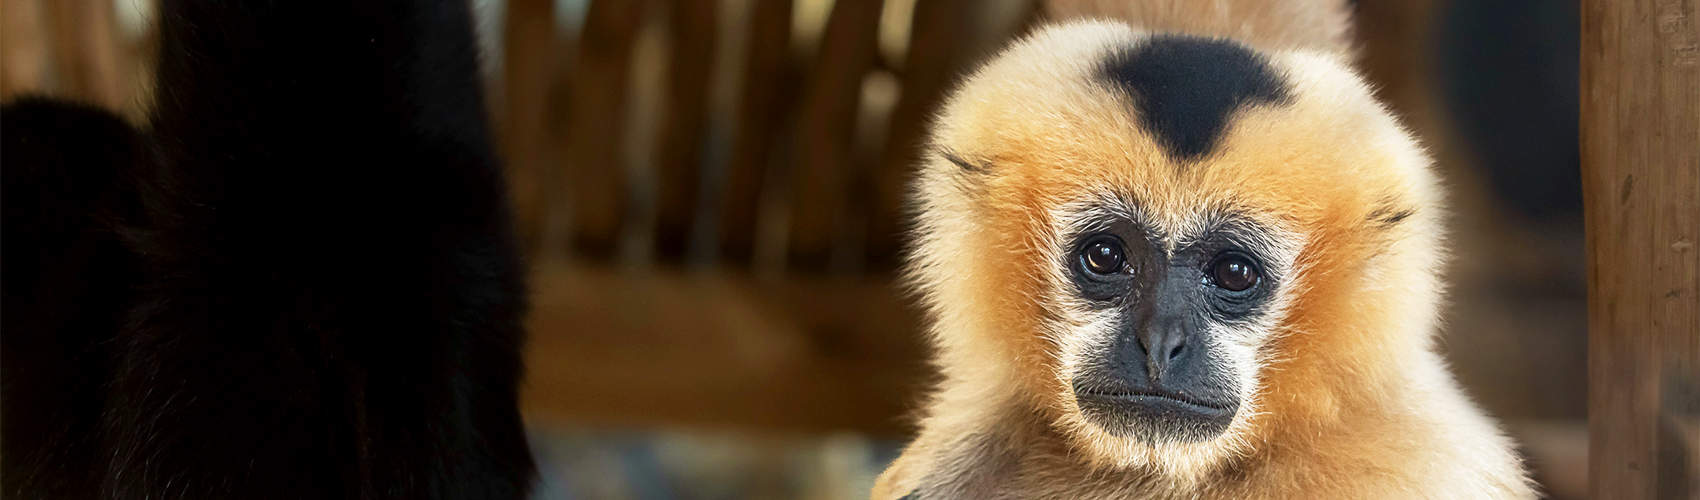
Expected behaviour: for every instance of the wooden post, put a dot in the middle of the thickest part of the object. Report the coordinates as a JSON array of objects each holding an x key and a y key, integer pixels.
[
  {"x": 935, "y": 58},
  {"x": 529, "y": 36},
  {"x": 826, "y": 121},
  {"x": 595, "y": 130},
  {"x": 768, "y": 91},
  {"x": 1641, "y": 184},
  {"x": 23, "y": 48},
  {"x": 693, "y": 25},
  {"x": 86, "y": 46}
]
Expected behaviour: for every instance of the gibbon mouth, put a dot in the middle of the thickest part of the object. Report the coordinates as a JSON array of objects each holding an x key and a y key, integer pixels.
[
  {"x": 1143, "y": 397},
  {"x": 1154, "y": 416}
]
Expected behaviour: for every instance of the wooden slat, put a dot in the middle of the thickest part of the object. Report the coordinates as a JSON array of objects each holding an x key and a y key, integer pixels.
[
  {"x": 1641, "y": 187},
  {"x": 23, "y": 47},
  {"x": 529, "y": 67},
  {"x": 769, "y": 88},
  {"x": 826, "y": 118},
  {"x": 693, "y": 25},
  {"x": 594, "y": 129},
  {"x": 554, "y": 176},
  {"x": 678, "y": 349},
  {"x": 934, "y": 58},
  {"x": 646, "y": 101},
  {"x": 86, "y": 52}
]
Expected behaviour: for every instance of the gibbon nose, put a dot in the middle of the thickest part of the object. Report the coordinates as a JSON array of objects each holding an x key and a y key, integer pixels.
[{"x": 1164, "y": 343}]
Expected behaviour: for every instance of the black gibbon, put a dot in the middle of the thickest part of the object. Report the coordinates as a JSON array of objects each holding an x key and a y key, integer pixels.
[
  {"x": 1160, "y": 263},
  {"x": 298, "y": 280}
]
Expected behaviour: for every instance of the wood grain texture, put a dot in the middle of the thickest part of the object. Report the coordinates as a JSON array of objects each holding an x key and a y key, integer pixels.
[{"x": 1641, "y": 186}]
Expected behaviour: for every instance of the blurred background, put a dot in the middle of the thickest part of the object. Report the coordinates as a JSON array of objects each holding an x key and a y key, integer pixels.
[{"x": 710, "y": 191}]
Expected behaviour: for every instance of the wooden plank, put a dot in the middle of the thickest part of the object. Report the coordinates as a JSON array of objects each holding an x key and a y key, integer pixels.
[
  {"x": 693, "y": 25},
  {"x": 529, "y": 67},
  {"x": 23, "y": 48},
  {"x": 555, "y": 187},
  {"x": 594, "y": 130},
  {"x": 1641, "y": 186},
  {"x": 1310, "y": 24},
  {"x": 769, "y": 88},
  {"x": 646, "y": 111},
  {"x": 935, "y": 57},
  {"x": 826, "y": 119},
  {"x": 670, "y": 348},
  {"x": 86, "y": 52}
]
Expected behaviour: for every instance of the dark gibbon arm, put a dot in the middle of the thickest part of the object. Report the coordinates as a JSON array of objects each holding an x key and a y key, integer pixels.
[
  {"x": 299, "y": 281},
  {"x": 65, "y": 281}
]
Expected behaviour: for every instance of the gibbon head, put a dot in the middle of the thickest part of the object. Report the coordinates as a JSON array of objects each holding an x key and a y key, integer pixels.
[{"x": 1173, "y": 248}]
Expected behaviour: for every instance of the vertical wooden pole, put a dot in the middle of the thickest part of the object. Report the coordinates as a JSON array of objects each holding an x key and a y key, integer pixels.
[
  {"x": 529, "y": 34},
  {"x": 23, "y": 48},
  {"x": 694, "y": 33},
  {"x": 826, "y": 121},
  {"x": 594, "y": 132},
  {"x": 768, "y": 90},
  {"x": 935, "y": 57},
  {"x": 87, "y": 51},
  {"x": 1641, "y": 184}
]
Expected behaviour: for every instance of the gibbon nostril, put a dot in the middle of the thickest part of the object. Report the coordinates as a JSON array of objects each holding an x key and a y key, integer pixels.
[{"x": 1163, "y": 349}]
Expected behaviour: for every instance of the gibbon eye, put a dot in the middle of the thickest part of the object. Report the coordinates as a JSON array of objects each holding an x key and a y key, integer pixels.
[
  {"x": 1234, "y": 273},
  {"x": 1103, "y": 256}
]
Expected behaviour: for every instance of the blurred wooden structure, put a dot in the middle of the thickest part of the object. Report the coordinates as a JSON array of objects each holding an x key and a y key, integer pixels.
[
  {"x": 712, "y": 189},
  {"x": 87, "y": 50},
  {"x": 1641, "y": 178}
]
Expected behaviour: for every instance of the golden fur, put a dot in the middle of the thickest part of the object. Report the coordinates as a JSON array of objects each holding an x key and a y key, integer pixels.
[{"x": 1349, "y": 399}]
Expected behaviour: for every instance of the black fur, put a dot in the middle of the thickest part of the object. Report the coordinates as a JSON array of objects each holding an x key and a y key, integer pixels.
[
  {"x": 66, "y": 281},
  {"x": 1186, "y": 89},
  {"x": 1388, "y": 217},
  {"x": 300, "y": 281},
  {"x": 964, "y": 164}
]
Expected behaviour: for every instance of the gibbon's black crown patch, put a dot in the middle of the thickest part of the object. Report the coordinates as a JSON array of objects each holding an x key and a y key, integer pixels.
[{"x": 1186, "y": 88}]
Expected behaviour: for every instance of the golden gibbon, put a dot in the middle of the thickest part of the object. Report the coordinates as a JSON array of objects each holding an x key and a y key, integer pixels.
[{"x": 1180, "y": 251}]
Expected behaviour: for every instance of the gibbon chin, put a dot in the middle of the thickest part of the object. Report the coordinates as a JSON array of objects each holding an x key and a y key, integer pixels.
[
  {"x": 298, "y": 280},
  {"x": 1161, "y": 265}
]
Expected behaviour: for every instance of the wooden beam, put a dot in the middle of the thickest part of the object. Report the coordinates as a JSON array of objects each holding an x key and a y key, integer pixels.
[
  {"x": 23, "y": 48},
  {"x": 86, "y": 52},
  {"x": 594, "y": 132},
  {"x": 826, "y": 121},
  {"x": 669, "y": 348},
  {"x": 935, "y": 58},
  {"x": 1641, "y": 185},
  {"x": 529, "y": 42},
  {"x": 693, "y": 25},
  {"x": 769, "y": 88}
]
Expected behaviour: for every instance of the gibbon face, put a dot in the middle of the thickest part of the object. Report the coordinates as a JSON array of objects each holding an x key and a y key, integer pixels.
[{"x": 1154, "y": 239}]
